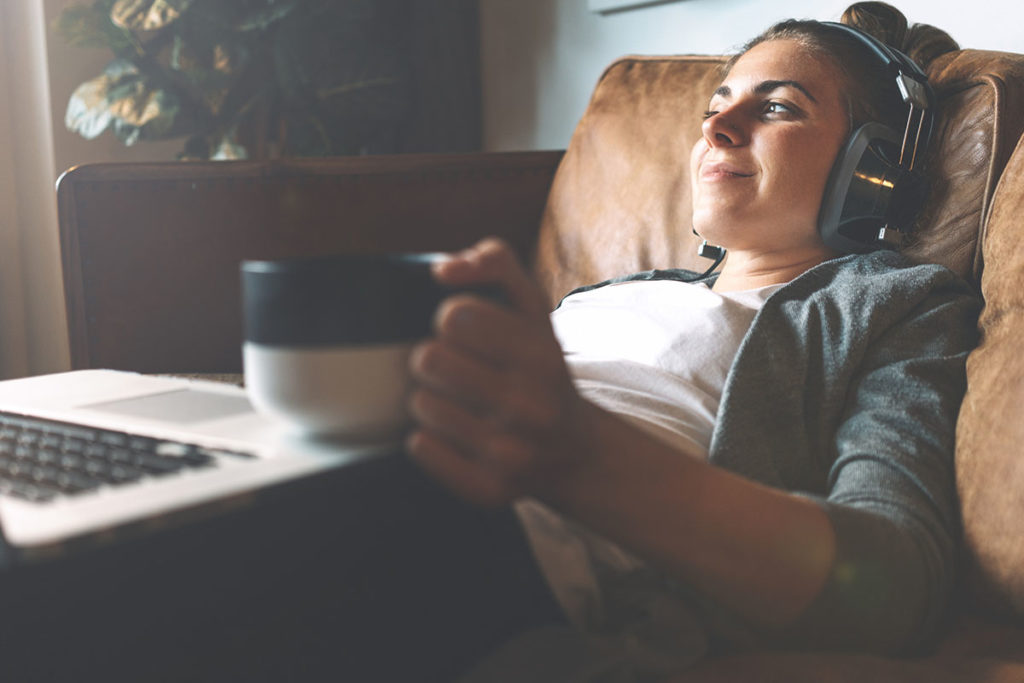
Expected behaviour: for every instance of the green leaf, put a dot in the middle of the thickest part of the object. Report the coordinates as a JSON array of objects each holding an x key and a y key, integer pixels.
[
  {"x": 121, "y": 98},
  {"x": 87, "y": 113},
  {"x": 229, "y": 150},
  {"x": 147, "y": 15}
]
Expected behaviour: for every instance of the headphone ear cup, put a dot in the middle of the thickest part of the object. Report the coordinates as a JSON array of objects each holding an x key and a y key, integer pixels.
[
  {"x": 864, "y": 186},
  {"x": 908, "y": 198}
]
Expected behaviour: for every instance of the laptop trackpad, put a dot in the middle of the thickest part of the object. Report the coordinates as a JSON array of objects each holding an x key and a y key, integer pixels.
[{"x": 180, "y": 406}]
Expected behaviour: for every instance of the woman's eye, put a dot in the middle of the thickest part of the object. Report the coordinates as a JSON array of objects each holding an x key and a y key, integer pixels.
[
  {"x": 708, "y": 114},
  {"x": 776, "y": 108}
]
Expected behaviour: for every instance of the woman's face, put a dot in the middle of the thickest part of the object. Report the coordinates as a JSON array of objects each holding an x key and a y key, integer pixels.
[{"x": 771, "y": 134}]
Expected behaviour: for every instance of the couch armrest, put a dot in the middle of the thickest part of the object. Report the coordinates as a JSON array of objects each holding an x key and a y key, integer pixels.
[{"x": 151, "y": 251}]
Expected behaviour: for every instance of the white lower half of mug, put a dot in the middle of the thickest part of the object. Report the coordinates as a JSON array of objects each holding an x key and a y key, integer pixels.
[{"x": 351, "y": 392}]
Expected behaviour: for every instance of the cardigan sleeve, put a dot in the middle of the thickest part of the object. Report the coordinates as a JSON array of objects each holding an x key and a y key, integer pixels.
[
  {"x": 877, "y": 360},
  {"x": 891, "y": 492}
]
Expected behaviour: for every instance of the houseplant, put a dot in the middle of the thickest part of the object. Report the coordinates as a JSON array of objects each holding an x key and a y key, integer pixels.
[{"x": 244, "y": 78}]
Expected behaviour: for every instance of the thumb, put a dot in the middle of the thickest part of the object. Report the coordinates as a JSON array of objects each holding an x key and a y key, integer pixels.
[{"x": 492, "y": 261}]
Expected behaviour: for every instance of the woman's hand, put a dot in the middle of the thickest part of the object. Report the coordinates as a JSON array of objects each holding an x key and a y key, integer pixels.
[{"x": 498, "y": 416}]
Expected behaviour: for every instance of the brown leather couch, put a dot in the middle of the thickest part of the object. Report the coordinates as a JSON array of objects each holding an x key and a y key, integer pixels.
[{"x": 619, "y": 202}]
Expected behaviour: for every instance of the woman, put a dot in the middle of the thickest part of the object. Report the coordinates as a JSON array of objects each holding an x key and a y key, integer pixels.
[{"x": 813, "y": 501}]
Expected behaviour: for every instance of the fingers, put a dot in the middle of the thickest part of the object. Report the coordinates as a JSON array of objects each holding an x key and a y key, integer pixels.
[
  {"x": 476, "y": 461},
  {"x": 492, "y": 260},
  {"x": 467, "y": 432},
  {"x": 497, "y": 334},
  {"x": 494, "y": 392},
  {"x": 507, "y": 396}
]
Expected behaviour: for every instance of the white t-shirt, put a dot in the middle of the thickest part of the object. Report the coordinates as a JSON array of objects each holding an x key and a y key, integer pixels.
[{"x": 656, "y": 352}]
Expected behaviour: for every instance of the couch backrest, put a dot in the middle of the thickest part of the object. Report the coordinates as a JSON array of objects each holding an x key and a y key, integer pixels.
[
  {"x": 620, "y": 203},
  {"x": 624, "y": 180},
  {"x": 151, "y": 250},
  {"x": 990, "y": 432}
]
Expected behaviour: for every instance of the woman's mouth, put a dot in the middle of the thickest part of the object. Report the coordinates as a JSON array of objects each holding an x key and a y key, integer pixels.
[{"x": 720, "y": 170}]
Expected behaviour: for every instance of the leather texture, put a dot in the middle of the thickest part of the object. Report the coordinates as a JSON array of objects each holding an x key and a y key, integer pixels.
[
  {"x": 981, "y": 115},
  {"x": 620, "y": 202},
  {"x": 990, "y": 434}
]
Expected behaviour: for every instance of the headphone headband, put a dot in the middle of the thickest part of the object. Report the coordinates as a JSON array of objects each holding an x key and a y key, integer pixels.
[{"x": 910, "y": 78}]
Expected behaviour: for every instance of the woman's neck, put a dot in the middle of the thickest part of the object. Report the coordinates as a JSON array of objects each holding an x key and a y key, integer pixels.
[{"x": 750, "y": 271}]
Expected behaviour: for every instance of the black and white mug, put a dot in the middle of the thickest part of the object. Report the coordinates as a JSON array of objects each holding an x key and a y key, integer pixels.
[{"x": 327, "y": 339}]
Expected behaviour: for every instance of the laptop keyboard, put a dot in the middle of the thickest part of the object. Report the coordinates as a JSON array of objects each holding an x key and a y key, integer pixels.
[{"x": 42, "y": 460}]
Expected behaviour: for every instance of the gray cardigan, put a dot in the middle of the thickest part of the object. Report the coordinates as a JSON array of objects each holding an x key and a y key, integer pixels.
[{"x": 846, "y": 389}]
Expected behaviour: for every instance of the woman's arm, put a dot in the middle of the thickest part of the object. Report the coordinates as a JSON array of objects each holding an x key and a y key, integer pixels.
[{"x": 499, "y": 419}]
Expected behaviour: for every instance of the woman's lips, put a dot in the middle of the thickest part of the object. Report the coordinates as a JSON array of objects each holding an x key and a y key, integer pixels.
[{"x": 718, "y": 170}]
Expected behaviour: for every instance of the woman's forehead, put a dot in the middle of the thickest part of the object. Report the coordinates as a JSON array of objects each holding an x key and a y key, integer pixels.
[{"x": 785, "y": 62}]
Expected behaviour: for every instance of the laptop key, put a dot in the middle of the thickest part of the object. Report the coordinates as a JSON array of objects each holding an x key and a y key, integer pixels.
[
  {"x": 74, "y": 445},
  {"x": 95, "y": 468},
  {"x": 141, "y": 443},
  {"x": 114, "y": 439},
  {"x": 75, "y": 482},
  {"x": 122, "y": 456},
  {"x": 157, "y": 465},
  {"x": 72, "y": 461},
  {"x": 46, "y": 456},
  {"x": 27, "y": 491},
  {"x": 209, "y": 452},
  {"x": 43, "y": 459},
  {"x": 121, "y": 474},
  {"x": 191, "y": 455}
]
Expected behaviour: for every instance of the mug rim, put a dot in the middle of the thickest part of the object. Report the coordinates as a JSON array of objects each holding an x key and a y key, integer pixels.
[{"x": 304, "y": 263}]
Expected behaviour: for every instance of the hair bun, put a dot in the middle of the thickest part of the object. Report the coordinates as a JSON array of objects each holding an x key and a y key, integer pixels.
[{"x": 921, "y": 42}]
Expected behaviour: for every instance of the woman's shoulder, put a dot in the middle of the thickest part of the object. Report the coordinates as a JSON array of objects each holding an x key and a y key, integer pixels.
[
  {"x": 874, "y": 292},
  {"x": 882, "y": 274}
]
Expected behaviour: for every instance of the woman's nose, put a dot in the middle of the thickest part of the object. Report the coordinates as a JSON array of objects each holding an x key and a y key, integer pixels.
[{"x": 723, "y": 129}]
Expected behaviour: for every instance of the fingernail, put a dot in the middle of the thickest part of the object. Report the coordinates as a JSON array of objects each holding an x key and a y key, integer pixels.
[
  {"x": 416, "y": 359},
  {"x": 457, "y": 316}
]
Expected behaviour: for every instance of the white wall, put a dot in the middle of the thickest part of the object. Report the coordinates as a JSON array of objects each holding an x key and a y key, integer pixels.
[{"x": 541, "y": 58}]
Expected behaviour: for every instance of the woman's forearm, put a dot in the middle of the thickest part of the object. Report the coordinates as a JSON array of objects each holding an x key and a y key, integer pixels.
[{"x": 761, "y": 552}]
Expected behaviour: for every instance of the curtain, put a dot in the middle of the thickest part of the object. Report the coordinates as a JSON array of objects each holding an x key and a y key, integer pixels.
[{"x": 33, "y": 334}]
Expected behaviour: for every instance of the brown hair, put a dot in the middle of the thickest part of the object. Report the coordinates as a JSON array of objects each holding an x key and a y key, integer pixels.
[{"x": 870, "y": 90}]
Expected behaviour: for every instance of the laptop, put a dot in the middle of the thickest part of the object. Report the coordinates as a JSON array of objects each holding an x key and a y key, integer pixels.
[{"x": 92, "y": 456}]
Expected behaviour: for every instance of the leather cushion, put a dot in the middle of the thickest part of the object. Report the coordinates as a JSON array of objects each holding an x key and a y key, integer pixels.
[
  {"x": 620, "y": 201},
  {"x": 990, "y": 433}
]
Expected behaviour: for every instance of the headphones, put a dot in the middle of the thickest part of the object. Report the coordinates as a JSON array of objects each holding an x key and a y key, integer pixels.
[{"x": 876, "y": 188}]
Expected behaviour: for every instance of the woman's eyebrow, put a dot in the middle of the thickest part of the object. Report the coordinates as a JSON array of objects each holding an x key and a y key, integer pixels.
[{"x": 765, "y": 87}]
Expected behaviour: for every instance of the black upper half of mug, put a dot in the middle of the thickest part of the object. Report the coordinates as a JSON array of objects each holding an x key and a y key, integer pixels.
[{"x": 344, "y": 300}]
